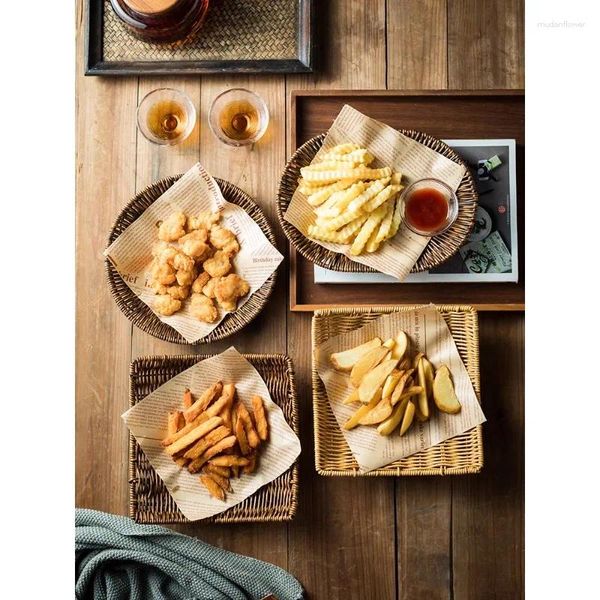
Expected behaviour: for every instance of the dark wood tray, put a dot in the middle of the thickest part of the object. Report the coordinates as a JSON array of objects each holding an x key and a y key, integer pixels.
[
  {"x": 237, "y": 37},
  {"x": 487, "y": 114}
]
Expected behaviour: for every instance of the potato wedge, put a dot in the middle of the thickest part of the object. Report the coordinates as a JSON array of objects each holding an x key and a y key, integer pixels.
[
  {"x": 344, "y": 361},
  {"x": 373, "y": 381},
  {"x": 388, "y": 426},
  {"x": 381, "y": 411},
  {"x": 352, "y": 398},
  {"x": 390, "y": 383},
  {"x": 422, "y": 397},
  {"x": 353, "y": 421},
  {"x": 389, "y": 344},
  {"x": 444, "y": 395},
  {"x": 408, "y": 417},
  {"x": 368, "y": 362},
  {"x": 429, "y": 376},
  {"x": 401, "y": 346},
  {"x": 402, "y": 383}
]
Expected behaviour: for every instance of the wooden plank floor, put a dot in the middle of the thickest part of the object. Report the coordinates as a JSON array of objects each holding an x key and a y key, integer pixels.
[{"x": 408, "y": 538}]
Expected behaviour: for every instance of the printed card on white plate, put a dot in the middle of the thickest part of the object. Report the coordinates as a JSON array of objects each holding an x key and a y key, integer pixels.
[
  {"x": 147, "y": 421},
  {"x": 429, "y": 334},
  {"x": 194, "y": 193}
]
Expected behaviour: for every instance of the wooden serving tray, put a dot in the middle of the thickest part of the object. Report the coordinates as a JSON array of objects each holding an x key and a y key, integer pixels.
[{"x": 490, "y": 114}]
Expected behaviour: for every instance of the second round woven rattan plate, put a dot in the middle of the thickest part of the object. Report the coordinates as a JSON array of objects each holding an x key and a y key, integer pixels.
[
  {"x": 140, "y": 313},
  {"x": 439, "y": 248}
]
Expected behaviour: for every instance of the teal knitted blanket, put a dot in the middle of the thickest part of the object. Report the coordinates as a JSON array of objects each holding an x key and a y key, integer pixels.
[{"x": 117, "y": 559}]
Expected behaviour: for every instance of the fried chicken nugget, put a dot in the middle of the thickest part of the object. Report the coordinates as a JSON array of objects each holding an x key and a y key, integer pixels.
[
  {"x": 162, "y": 273},
  {"x": 179, "y": 292},
  {"x": 194, "y": 244},
  {"x": 183, "y": 262},
  {"x": 229, "y": 289},
  {"x": 218, "y": 265},
  {"x": 209, "y": 289},
  {"x": 200, "y": 282},
  {"x": 205, "y": 220},
  {"x": 203, "y": 308},
  {"x": 224, "y": 239},
  {"x": 165, "y": 305},
  {"x": 172, "y": 228},
  {"x": 186, "y": 278},
  {"x": 158, "y": 288}
]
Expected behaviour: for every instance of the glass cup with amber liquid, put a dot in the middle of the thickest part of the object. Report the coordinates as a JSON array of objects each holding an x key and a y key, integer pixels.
[
  {"x": 238, "y": 117},
  {"x": 166, "y": 116}
]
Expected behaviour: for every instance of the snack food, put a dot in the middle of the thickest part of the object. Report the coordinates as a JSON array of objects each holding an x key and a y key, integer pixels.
[
  {"x": 392, "y": 387},
  {"x": 353, "y": 203},
  {"x": 215, "y": 435},
  {"x": 197, "y": 268}
]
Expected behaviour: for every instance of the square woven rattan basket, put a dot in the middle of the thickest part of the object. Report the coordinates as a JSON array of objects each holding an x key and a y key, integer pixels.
[
  {"x": 456, "y": 456},
  {"x": 149, "y": 500}
]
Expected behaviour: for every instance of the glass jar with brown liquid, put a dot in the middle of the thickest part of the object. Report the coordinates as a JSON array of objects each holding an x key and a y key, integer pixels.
[
  {"x": 161, "y": 20},
  {"x": 238, "y": 117}
]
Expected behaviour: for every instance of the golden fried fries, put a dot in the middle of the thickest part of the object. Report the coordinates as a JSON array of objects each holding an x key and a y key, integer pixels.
[
  {"x": 195, "y": 434},
  {"x": 260, "y": 418},
  {"x": 383, "y": 376},
  {"x": 205, "y": 399},
  {"x": 215, "y": 490}
]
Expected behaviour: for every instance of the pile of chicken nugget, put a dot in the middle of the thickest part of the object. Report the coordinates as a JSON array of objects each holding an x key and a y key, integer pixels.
[{"x": 193, "y": 259}]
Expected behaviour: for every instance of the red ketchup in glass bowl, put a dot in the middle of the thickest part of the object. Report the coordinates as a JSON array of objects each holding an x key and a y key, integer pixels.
[{"x": 430, "y": 207}]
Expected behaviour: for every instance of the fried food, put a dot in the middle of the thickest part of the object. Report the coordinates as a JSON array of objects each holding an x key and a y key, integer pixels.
[
  {"x": 218, "y": 265},
  {"x": 209, "y": 289},
  {"x": 353, "y": 203},
  {"x": 215, "y": 490},
  {"x": 200, "y": 282},
  {"x": 344, "y": 361},
  {"x": 200, "y": 439},
  {"x": 383, "y": 377},
  {"x": 166, "y": 305},
  {"x": 224, "y": 239},
  {"x": 204, "y": 220},
  {"x": 444, "y": 394},
  {"x": 260, "y": 417},
  {"x": 173, "y": 227},
  {"x": 229, "y": 289},
  {"x": 162, "y": 273},
  {"x": 179, "y": 292},
  {"x": 195, "y": 261},
  {"x": 203, "y": 308}
]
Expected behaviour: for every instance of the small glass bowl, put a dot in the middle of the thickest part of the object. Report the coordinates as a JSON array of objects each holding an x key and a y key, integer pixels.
[
  {"x": 225, "y": 103},
  {"x": 163, "y": 98},
  {"x": 448, "y": 194}
]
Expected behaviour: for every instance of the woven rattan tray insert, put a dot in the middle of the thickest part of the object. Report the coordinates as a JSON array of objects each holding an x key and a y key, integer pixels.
[
  {"x": 459, "y": 455},
  {"x": 149, "y": 500}
]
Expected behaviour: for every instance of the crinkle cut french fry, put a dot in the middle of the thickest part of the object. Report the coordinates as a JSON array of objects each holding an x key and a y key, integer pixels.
[
  {"x": 389, "y": 192},
  {"x": 319, "y": 196},
  {"x": 372, "y": 244},
  {"x": 386, "y": 223},
  {"x": 396, "y": 220},
  {"x": 328, "y": 165},
  {"x": 367, "y": 229},
  {"x": 318, "y": 233},
  {"x": 396, "y": 178},
  {"x": 340, "y": 201},
  {"x": 370, "y": 192},
  {"x": 358, "y": 156},
  {"x": 342, "y": 149},
  {"x": 349, "y": 230},
  {"x": 353, "y": 173}
]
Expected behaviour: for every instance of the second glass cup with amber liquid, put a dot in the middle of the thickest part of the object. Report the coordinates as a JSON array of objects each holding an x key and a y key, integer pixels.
[{"x": 238, "y": 117}]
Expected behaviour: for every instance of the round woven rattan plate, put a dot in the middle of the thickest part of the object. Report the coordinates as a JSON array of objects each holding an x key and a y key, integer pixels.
[
  {"x": 439, "y": 248},
  {"x": 140, "y": 314}
]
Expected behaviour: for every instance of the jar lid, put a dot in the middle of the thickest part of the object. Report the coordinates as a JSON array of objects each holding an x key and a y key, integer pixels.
[{"x": 150, "y": 7}]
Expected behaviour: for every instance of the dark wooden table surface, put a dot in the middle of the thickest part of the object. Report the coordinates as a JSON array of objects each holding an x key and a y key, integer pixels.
[{"x": 361, "y": 538}]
